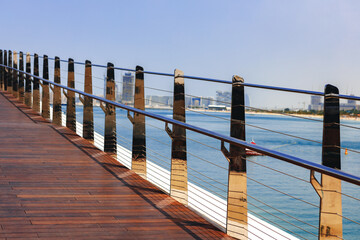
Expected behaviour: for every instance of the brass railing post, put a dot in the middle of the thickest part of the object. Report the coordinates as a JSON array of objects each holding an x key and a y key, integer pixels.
[
  {"x": 15, "y": 75},
  {"x": 21, "y": 77},
  {"x": 178, "y": 175},
  {"x": 236, "y": 222},
  {"x": 56, "y": 94},
  {"x": 138, "y": 121},
  {"x": 6, "y": 71},
  {"x": 10, "y": 73},
  {"x": 1, "y": 71},
  {"x": 70, "y": 95},
  {"x": 45, "y": 99},
  {"x": 329, "y": 190},
  {"x": 28, "y": 81},
  {"x": 88, "y": 114},
  {"x": 110, "y": 113},
  {"x": 36, "y": 85}
]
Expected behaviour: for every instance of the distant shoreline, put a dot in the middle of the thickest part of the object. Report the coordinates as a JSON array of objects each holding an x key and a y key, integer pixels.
[{"x": 279, "y": 114}]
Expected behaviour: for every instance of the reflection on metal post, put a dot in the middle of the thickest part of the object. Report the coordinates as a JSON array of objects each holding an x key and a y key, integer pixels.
[
  {"x": 28, "y": 81},
  {"x": 6, "y": 71},
  {"x": 21, "y": 77},
  {"x": 178, "y": 178},
  {"x": 1, "y": 71},
  {"x": 88, "y": 115},
  {"x": 329, "y": 190},
  {"x": 15, "y": 75},
  {"x": 139, "y": 139},
  {"x": 57, "y": 94},
  {"x": 110, "y": 113},
  {"x": 45, "y": 109},
  {"x": 236, "y": 222},
  {"x": 70, "y": 104},
  {"x": 36, "y": 93},
  {"x": 10, "y": 73}
]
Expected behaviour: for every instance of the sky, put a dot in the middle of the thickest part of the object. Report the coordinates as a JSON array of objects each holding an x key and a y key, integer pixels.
[{"x": 298, "y": 44}]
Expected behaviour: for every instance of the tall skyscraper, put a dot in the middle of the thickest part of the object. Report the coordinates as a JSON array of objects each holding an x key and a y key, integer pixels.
[{"x": 128, "y": 89}]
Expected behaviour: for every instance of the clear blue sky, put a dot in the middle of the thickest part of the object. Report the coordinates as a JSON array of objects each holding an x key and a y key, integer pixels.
[{"x": 299, "y": 44}]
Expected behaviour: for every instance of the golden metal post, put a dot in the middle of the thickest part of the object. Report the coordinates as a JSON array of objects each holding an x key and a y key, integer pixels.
[
  {"x": 45, "y": 109},
  {"x": 57, "y": 94},
  {"x": 21, "y": 78},
  {"x": 70, "y": 103},
  {"x": 110, "y": 113},
  {"x": 28, "y": 81},
  {"x": 15, "y": 75},
  {"x": 329, "y": 190},
  {"x": 36, "y": 85},
  {"x": 178, "y": 177},
  {"x": 88, "y": 114},
  {"x": 237, "y": 219},
  {"x": 139, "y": 139}
]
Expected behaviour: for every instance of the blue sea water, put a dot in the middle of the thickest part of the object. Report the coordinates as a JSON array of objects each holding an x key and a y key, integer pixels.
[{"x": 280, "y": 199}]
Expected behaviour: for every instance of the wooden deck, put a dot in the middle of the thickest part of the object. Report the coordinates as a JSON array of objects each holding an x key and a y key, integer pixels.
[{"x": 56, "y": 185}]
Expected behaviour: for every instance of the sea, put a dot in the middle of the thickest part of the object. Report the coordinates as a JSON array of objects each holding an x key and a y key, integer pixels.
[{"x": 278, "y": 192}]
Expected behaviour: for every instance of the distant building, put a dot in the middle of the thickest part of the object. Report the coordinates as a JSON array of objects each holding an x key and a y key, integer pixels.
[
  {"x": 128, "y": 89},
  {"x": 155, "y": 101},
  {"x": 223, "y": 98},
  {"x": 316, "y": 104},
  {"x": 350, "y": 105},
  {"x": 117, "y": 91}
]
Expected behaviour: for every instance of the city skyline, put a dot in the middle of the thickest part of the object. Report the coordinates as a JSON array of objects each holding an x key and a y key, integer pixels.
[{"x": 297, "y": 44}]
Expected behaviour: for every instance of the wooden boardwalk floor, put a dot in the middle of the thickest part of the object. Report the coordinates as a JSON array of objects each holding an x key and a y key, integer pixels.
[{"x": 56, "y": 185}]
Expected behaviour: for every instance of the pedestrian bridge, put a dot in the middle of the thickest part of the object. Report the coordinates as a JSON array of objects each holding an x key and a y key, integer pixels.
[{"x": 62, "y": 179}]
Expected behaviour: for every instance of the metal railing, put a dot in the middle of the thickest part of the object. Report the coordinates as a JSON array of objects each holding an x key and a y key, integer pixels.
[{"x": 237, "y": 218}]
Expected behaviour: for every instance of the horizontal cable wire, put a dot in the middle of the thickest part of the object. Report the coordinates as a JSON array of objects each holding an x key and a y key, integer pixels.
[
  {"x": 203, "y": 144},
  {"x": 206, "y": 188},
  {"x": 349, "y": 219},
  {"x": 148, "y": 173},
  {"x": 261, "y": 230},
  {"x": 249, "y": 160},
  {"x": 212, "y": 185},
  {"x": 207, "y": 177},
  {"x": 281, "y": 211},
  {"x": 206, "y": 193},
  {"x": 280, "y": 226},
  {"x": 254, "y": 126},
  {"x": 282, "y": 192},
  {"x": 207, "y": 207}
]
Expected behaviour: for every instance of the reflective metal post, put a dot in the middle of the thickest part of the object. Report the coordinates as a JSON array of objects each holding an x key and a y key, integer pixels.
[
  {"x": 10, "y": 73},
  {"x": 70, "y": 104},
  {"x": 178, "y": 175},
  {"x": 36, "y": 85},
  {"x": 329, "y": 190},
  {"x": 21, "y": 77},
  {"x": 28, "y": 81},
  {"x": 236, "y": 222},
  {"x": 45, "y": 99},
  {"x": 6, "y": 71},
  {"x": 1, "y": 71},
  {"x": 15, "y": 75},
  {"x": 57, "y": 94},
  {"x": 88, "y": 115},
  {"x": 139, "y": 139},
  {"x": 110, "y": 113}
]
